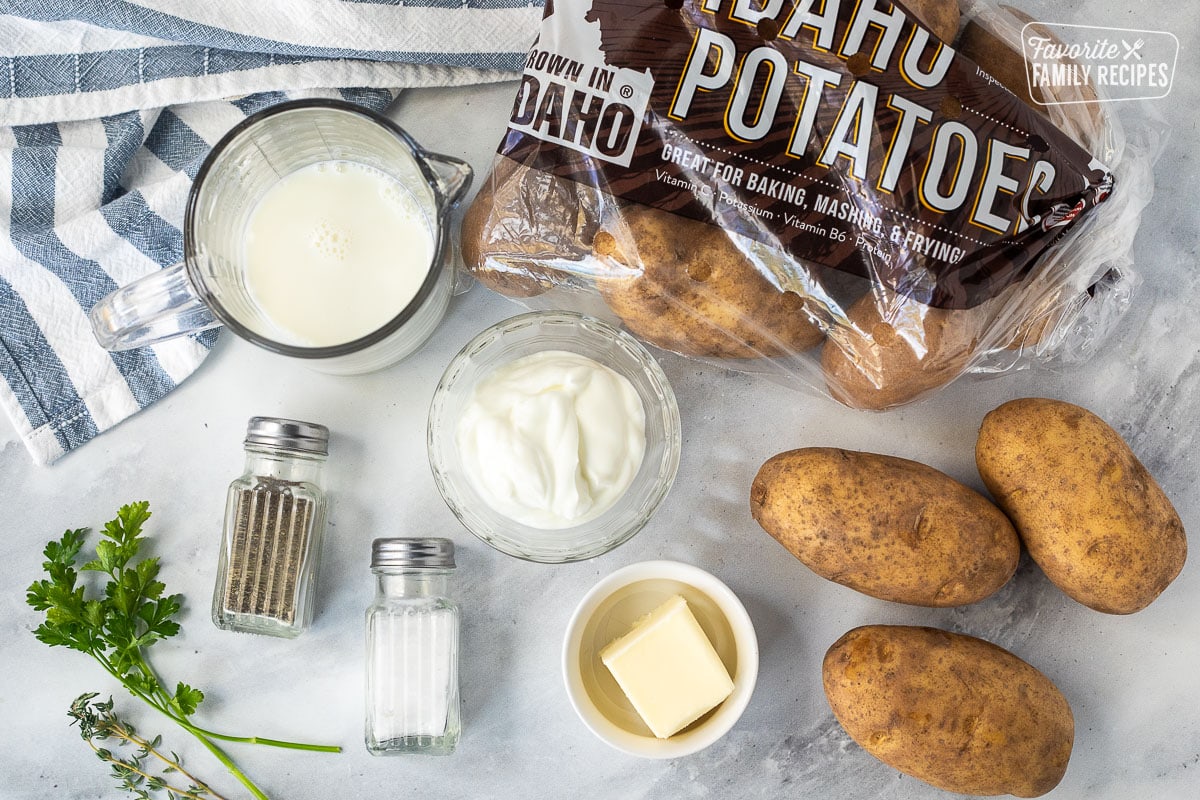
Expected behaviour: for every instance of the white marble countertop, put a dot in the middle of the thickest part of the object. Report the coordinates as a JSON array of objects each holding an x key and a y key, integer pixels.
[{"x": 1133, "y": 682}]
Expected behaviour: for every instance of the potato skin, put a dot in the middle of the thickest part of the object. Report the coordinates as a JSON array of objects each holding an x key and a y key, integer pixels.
[
  {"x": 1089, "y": 512},
  {"x": 940, "y": 16},
  {"x": 896, "y": 349},
  {"x": 685, "y": 286},
  {"x": 1007, "y": 65},
  {"x": 955, "y": 711},
  {"x": 888, "y": 527},
  {"x": 522, "y": 224}
]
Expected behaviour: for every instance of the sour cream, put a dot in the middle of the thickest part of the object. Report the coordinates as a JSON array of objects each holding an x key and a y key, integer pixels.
[{"x": 552, "y": 440}]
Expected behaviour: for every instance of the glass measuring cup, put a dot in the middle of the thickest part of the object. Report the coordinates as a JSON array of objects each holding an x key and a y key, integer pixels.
[{"x": 209, "y": 287}]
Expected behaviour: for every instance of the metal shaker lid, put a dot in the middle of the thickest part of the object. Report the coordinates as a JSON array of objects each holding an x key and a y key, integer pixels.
[
  {"x": 289, "y": 434},
  {"x": 415, "y": 552}
]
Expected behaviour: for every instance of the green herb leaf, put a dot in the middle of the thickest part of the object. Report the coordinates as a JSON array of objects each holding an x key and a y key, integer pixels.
[
  {"x": 93, "y": 613},
  {"x": 186, "y": 699},
  {"x": 64, "y": 551},
  {"x": 108, "y": 554},
  {"x": 147, "y": 571},
  {"x": 38, "y": 595},
  {"x": 53, "y": 637},
  {"x": 157, "y": 615}
]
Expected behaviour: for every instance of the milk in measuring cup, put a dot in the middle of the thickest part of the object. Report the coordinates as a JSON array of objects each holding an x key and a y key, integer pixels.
[{"x": 334, "y": 251}]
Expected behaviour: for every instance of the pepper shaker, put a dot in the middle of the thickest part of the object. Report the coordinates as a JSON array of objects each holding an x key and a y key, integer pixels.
[
  {"x": 412, "y": 649},
  {"x": 274, "y": 523}
]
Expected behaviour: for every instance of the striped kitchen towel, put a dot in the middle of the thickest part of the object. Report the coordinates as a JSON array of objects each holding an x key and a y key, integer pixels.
[{"x": 107, "y": 109}]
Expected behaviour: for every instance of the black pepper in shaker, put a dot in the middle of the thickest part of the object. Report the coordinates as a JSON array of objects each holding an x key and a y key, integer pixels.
[{"x": 274, "y": 523}]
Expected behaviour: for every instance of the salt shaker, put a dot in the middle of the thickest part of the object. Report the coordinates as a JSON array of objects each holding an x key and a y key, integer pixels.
[
  {"x": 274, "y": 523},
  {"x": 412, "y": 649}
]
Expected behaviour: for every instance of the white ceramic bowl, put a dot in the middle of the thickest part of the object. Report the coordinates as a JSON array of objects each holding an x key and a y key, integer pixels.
[
  {"x": 522, "y": 336},
  {"x": 610, "y": 609}
]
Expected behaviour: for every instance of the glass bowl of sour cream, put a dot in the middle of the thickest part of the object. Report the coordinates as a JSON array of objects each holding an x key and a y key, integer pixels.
[{"x": 553, "y": 436}]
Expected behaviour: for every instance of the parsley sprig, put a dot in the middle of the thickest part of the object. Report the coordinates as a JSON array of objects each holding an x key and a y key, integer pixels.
[{"x": 118, "y": 628}]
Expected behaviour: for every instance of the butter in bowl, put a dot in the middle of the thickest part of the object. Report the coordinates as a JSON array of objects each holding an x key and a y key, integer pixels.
[{"x": 660, "y": 659}]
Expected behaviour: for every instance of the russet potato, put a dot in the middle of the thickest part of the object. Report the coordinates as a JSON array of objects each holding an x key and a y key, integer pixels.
[
  {"x": 888, "y": 527},
  {"x": 526, "y": 229},
  {"x": 894, "y": 349},
  {"x": 955, "y": 711},
  {"x": 687, "y": 286},
  {"x": 940, "y": 16},
  {"x": 1091, "y": 515}
]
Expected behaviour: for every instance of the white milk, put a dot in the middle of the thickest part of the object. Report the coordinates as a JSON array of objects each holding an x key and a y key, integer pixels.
[{"x": 334, "y": 251}]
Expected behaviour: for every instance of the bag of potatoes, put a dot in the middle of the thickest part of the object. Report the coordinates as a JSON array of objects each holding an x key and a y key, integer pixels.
[{"x": 861, "y": 196}]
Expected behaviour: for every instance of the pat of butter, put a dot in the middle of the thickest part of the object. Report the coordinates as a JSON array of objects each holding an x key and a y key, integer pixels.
[{"x": 668, "y": 668}]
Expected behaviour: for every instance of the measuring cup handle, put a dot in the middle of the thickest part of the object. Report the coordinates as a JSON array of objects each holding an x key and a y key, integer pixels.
[
  {"x": 453, "y": 177},
  {"x": 159, "y": 306}
]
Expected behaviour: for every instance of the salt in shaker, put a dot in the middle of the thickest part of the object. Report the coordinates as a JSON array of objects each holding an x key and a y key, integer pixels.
[{"x": 412, "y": 649}]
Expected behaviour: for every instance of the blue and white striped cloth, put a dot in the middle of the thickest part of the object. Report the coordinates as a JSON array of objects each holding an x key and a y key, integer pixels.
[{"x": 107, "y": 109}]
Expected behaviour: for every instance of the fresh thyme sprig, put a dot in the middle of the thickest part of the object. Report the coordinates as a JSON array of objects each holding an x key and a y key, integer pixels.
[
  {"x": 138, "y": 773},
  {"x": 132, "y": 615}
]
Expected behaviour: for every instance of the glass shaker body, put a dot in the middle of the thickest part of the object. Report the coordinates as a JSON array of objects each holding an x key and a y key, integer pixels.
[
  {"x": 271, "y": 546},
  {"x": 412, "y": 660}
]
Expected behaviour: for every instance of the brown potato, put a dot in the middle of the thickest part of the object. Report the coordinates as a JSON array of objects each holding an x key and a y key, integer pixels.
[
  {"x": 685, "y": 286},
  {"x": 940, "y": 16},
  {"x": 1007, "y": 64},
  {"x": 1039, "y": 313},
  {"x": 884, "y": 526},
  {"x": 1090, "y": 514},
  {"x": 957, "y": 712},
  {"x": 522, "y": 223},
  {"x": 998, "y": 59},
  {"x": 895, "y": 349},
  {"x": 1075, "y": 109}
]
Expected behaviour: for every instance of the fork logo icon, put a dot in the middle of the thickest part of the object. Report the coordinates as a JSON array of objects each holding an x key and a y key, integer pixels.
[{"x": 1133, "y": 50}]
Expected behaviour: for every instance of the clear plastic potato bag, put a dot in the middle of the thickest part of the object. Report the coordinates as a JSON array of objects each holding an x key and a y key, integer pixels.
[{"x": 861, "y": 196}]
